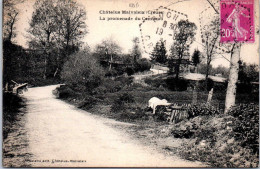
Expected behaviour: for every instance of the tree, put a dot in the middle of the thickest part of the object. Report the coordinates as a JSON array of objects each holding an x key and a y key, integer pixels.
[
  {"x": 70, "y": 17},
  {"x": 82, "y": 72},
  {"x": 210, "y": 37},
  {"x": 108, "y": 50},
  {"x": 159, "y": 53},
  {"x": 10, "y": 13},
  {"x": 183, "y": 39},
  {"x": 43, "y": 28},
  {"x": 196, "y": 58},
  {"x": 248, "y": 73},
  {"x": 136, "y": 51},
  {"x": 56, "y": 28},
  {"x": 233, "y": 77},
  {"x": 224, "y": 71}
]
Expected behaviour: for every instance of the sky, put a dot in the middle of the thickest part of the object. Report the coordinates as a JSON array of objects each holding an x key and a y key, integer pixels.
[{"x": 124, "y": 31}]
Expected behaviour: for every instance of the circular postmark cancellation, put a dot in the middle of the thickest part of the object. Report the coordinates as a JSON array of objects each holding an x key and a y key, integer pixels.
[
  {"x": 209, "y": 23},
  {"x": 160, "y": 30},
  {"x": 237, "y": 21}
]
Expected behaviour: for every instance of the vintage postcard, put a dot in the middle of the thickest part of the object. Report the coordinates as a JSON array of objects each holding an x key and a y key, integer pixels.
[{"x": 130, "y": 83}]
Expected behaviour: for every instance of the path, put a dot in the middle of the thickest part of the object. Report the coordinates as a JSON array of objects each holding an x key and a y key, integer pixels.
[{"x": 60, "y": 134}]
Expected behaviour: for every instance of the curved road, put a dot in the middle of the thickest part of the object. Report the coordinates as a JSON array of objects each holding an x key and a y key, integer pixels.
[{"x": 58, "y": 133}]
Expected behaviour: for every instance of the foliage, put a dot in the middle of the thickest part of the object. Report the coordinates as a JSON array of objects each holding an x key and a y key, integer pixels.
[
  {"x": 56, "y": 28},
  {"x": 176, "y": 84},
  {"x": 210, "y": 37},
  {"x": 224, "y": 71},
  {"x": 130, "y": 71},
  {"x": 82, "y": 72},
  {"x": 11, "y": 105},
  {"x": 202, "y": 68},
  {"x": 120, "y": 103},
  {"x": 142, "y": 65},
  {"x": 13, "y": 62},
  {"x": 136, "y": 51},
  {"x": 10, "y": 15},
  {"x": 202, "y": 110},
  {"x": 108, "y": 49},
  {"x": 196, "y": 57},
  {"x": 159, "y": 53},
  {"x": 246, "y": 126},
  {"x": 229, "y": 140},
  {"x": 169, "y": 83},
  {"x": 184, "y": 38},
  {"x": 65, "y": 92}
]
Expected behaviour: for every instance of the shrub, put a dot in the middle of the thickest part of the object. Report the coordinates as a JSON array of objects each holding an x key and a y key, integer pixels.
[
  {"x": 142, "y": 65},
  {"x": 202, "y": 110},
  {"x": 130, "y": 71},
  {"x": 65, "y": 91},
  {"x": 206, "y": 87},
  {"x": 124, "y": 80},
  {"x": 246, "y": 127},
  {"x": 176, "y": 85},
  {"x": 82, "y": 72},
  {"x": 88, "y": 102},
  {"x": 154, "y": 82},
  {"x": 11, "y": 105},
  {"x": 120, "y": 103}
]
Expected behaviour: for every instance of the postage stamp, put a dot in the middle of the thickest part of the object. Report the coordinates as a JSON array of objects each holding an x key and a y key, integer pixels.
[{"x": 237, "y": 21}]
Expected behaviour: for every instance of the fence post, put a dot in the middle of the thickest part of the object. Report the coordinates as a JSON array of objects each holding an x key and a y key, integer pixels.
[{"x": 210, "y": 96}]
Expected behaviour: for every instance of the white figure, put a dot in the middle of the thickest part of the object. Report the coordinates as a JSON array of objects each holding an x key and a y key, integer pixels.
[{"x": 154, "y": 101}]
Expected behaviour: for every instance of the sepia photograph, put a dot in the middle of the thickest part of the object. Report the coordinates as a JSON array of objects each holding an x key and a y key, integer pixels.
[{"x": 130, "y": 83}]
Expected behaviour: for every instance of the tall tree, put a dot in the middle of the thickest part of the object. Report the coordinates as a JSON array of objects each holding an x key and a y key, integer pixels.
[
  {"x": 42, "y": 29},
  {"x": 108, "y": 50},
  {"x": 56, "y": 28},
  {"x": 196, "y": 58},
  {"x": 70, "y": 17},
  {"x": 210, "y": 34},
  {"x": 159, "y": 53},
  {"x": 10, "y": 14},
  {"x": 233, "y": 77},
  {"x": 136, "y": 51},
  {"x": 184, "y": 38}
]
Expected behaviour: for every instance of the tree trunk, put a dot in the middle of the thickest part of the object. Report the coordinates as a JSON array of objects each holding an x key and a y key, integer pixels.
[
  {"x": 45, "y": 67},
  {"x": 207, "y": 75},
  {"x": 195, "y": 93},
  {"x": 233, "y": 77}
]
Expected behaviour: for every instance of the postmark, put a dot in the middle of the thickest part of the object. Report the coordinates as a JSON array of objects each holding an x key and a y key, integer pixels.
[
  {"x": 237, "y": 21},
  {"x": 164, "y": 29}
]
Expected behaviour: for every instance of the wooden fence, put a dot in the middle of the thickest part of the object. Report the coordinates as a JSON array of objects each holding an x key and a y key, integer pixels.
[{"x": 175, "y": 113}]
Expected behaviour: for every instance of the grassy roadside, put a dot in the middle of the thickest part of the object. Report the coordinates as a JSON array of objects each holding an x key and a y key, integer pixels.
[
  {"x": 214, "y": 138},
  {"x": 11, "y": 105}
]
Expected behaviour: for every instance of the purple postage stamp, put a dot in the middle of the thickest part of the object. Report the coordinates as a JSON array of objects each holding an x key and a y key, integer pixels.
[{"x": 237, "y": 21}]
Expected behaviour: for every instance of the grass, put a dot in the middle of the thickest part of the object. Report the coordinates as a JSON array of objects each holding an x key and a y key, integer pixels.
[
  {"x": 11, "y": 105},
  {"x": 206, "y": 138}
]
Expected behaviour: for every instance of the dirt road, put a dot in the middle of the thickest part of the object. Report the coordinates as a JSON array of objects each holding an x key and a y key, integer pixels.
[{"x": 61, "y": 135}]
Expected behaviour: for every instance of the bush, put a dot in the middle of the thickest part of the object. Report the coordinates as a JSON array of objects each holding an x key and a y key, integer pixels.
[
  {"x": 205, "y": 87},
  {"x": 88, "y": 102},
  {"x": 176, "y": 85},
  {"x": 142, "y": 65},
  {"x": 130, "y": 71},
  {"x": 120, "y": 103},
  {"x": 246, "y": 127},
  {"x": 11, "y": 105},
  {"x": 82, "y": 72},
  {"x": 202, "y": 110},
  {"x": 65, "y": 92}
]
